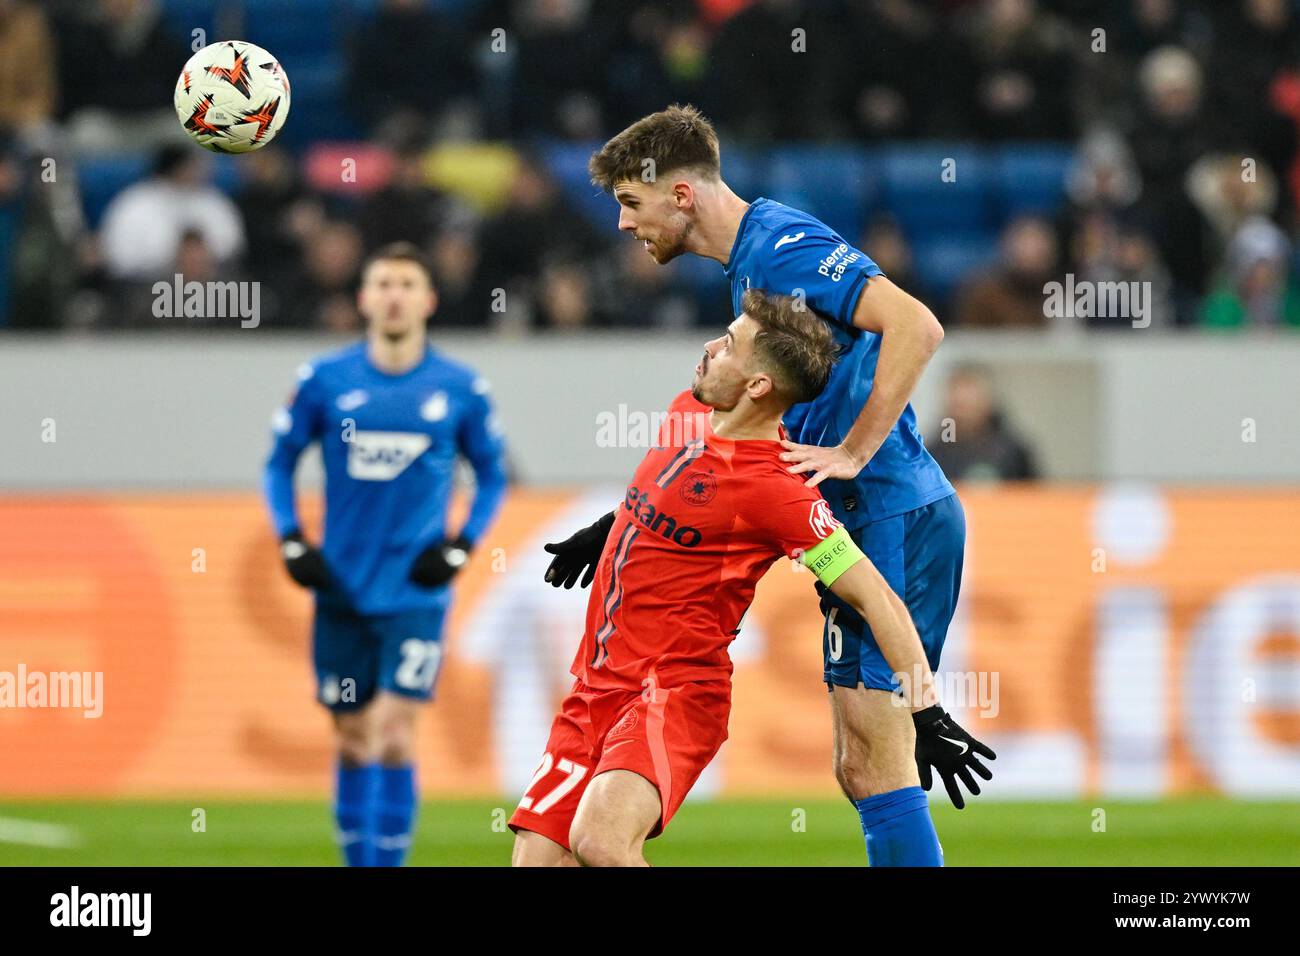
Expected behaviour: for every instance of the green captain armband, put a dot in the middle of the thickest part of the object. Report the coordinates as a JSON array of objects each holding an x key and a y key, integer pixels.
[{"x": 832, "y": 556}]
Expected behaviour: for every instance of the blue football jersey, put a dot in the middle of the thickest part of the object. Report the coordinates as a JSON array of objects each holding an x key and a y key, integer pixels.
[
  {"x": 783, "y": 250},
  {"x": 389, "y": 445}
]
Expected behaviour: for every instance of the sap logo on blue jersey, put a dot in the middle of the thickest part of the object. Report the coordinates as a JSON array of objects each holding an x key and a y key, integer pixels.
[{"x": 382, "y": 456}]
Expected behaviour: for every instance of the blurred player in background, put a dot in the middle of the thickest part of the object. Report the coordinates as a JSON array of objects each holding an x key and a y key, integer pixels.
[
  {"x": 710, "y": 508},
  {"x": 392, "y": 416},
  {"x": 859, "y": 435}
]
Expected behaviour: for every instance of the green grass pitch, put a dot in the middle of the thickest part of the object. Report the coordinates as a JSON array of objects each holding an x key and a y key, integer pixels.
[{"x": 770, "y": 832}]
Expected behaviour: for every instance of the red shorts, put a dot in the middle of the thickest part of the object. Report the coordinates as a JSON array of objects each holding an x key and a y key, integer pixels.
[{"x": 667, "y": 736}]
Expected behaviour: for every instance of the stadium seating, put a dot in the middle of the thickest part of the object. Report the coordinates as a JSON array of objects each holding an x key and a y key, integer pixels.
[{"x": 102, "y": 178}]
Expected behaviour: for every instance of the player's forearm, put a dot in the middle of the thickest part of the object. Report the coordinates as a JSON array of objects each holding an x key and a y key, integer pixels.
[
  {"x": 489, "y": 493},
  {"x": 907, "y": 344},
  {"x": 278, "y": 490},
  {"x": 278, "y": 487},
  {"x": 863, "y": 588},
  {"x": 901, "y": 646}
]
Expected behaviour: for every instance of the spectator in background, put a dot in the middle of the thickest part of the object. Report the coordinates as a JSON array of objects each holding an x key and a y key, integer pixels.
[
  {"x": 1103, "y": 176},
  {"x": 563, "y": 299},
  {"x": 11, "y": 210},
  {"x": 1254, "y": 40},
  {"x": 280, "y": 213},
  {"x": 661, "y": 55},
  {"x": 141, "y": 233},
  {"x": 1227, "y": 198},
  {"x": 975, "y": 442},
  {"x": 117, "y": 69},
  {"x": 1012, "y": 296},
  {"x": 760, "y": 85},
  {"x": 40, "y": 225},
  {"x": 535, "y": 222},
  {"x": 323, "y": 293},
  {"x": 1133, "y": 29},
  {"x": 465, "y": 296},
  {"x": 408, "y": 59},
  {"x": 131, "y": 304},
  {"x": 1019, "y": 82},
  {"x": 407, "y": 208},
  {"x": 1107, "y": 250},
  {"x": 558, "y": 67},
  {"x": 884, "y": 242},
  {"x": 1257, "y": 290},
  {"x": 27, "y": 75},
  {"x": 882, "y": 94},
  {"x": 1170, "y": 135},
  {"x": 638, "y": 293}
]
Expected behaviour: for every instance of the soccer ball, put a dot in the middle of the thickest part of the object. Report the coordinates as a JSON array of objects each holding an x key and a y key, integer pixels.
[{"x": 232, "y": 97}]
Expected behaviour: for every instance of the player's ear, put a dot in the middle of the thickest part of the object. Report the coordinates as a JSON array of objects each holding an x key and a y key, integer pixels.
[{"x": 683, "y": 194}]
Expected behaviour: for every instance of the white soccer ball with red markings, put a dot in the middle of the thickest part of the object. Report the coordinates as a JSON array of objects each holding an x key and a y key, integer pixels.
[{"x": 232, "y": 97}]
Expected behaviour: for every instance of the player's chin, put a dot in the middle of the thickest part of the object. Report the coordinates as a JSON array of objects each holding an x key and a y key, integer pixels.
[
  {"x": 397, "y": 326},
  {"x": 664, "y": 256}
]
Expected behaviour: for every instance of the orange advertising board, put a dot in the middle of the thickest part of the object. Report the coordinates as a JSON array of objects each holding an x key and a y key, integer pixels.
[{"x": 1139, "y": 640}]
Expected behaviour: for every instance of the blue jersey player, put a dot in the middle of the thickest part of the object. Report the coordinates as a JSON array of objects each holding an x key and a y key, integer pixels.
[
  {"x": 859, "y": 441},
  {"x": 392, "y": 417}
]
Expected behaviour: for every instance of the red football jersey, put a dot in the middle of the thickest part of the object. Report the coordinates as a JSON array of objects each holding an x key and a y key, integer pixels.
[{"x": 702, "y": 521}]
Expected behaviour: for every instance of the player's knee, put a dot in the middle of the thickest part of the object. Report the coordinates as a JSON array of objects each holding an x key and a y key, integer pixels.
[
  {"x": 396, "y": 741},
  {"x": 533, "y": 850},
  {"x": 593, "y": 847},
  {"x": 355, "y": 744},
  {"x": 852, "y": 775}
]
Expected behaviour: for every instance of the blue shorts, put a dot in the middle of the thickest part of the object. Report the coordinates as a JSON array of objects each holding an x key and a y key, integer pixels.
[
  {"x": 357, "y": 655},
  {"x": 919, "y": 554}
]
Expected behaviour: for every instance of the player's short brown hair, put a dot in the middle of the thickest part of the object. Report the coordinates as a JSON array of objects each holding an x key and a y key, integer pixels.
[
  {"x": 676, "y": 138},
  {"x": 402, "y": 252},
  {"x": 792, "y": 344}
]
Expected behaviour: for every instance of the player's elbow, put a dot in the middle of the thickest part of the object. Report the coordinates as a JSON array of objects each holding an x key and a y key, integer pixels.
[{"x": 931, "y": 329}]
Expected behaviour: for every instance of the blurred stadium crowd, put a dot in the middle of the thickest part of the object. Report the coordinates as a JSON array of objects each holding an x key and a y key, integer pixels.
[{"x": 1162, "y": 149}]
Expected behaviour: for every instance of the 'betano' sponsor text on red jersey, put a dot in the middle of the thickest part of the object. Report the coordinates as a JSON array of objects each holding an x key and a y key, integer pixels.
[{"x": 701, "y": 522}]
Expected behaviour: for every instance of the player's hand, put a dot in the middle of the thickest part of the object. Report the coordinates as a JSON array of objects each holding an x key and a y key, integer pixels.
[
  {"x": 305, "y": 563},
  {"x": 578, "y": 553},
  {"x": 440, "y": 563},
  {"x": 834, "y": 462},
  {"x": 942, "y": 744}
]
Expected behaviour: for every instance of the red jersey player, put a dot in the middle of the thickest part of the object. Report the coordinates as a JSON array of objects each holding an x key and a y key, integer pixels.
[{"x": 710, "y": 508}]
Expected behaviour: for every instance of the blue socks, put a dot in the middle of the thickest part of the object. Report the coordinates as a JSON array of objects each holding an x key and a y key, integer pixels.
[
  {"x": 394, "y": 815},
  {"x": 354, "y": 797},
  {"x": 898, "y": 829}
]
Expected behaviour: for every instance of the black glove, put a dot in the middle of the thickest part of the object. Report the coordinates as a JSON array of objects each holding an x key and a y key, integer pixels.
[
  {"x": 943, "y": 744},
  {"x": 305, "y": 564},
  {"x": 578, "y": 552},
  {"x": 438, "y": 564}
]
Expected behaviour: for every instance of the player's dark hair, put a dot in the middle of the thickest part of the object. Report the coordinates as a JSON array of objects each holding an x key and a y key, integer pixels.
[
  {"x": 403, "y": 252},
  {"x": 676, "y": 138},
  {"x": 792, "y": 343}
]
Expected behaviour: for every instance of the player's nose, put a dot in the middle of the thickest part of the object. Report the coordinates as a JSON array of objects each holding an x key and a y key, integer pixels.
[{"x": 625, "y": 223}]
